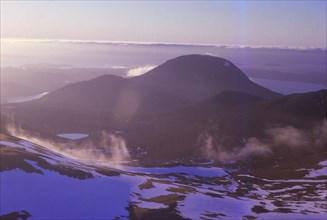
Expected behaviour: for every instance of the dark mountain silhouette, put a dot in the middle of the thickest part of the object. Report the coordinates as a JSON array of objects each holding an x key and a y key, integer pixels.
[
  {"x": 104, "y": 100},
  {"x": 229, "y": 118},
  {"x": 112, "y": 95},
  {"x": 197, "y": 77}
]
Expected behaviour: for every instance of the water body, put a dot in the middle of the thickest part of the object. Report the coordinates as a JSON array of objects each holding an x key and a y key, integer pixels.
[
  {"x": 288, "y": 87},
  {"x": 73, "y": 136},
  {"x": 25, "y": 98}
]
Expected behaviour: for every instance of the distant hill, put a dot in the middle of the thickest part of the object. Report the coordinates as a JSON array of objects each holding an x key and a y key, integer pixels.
[
  {"x": 9, "y": 90},
  {"x": 109, "y": 94},
  {"x": 45, "y": 78},
  {"x": 104, "y": 101},
  {"x": 197, "y": 77}
]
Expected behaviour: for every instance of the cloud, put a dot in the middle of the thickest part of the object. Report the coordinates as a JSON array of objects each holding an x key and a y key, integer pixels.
[
  {"x": 108, "y": 149},
  {"x": 140, "y": 70},
  {"x": 118, "y": 67},
  {"x": 210, "y": 54},
  {"x": 216, "y": 151},
  {"x": 299, "y": 138},
  {"x": 278, "y": 139},
  {"x": 171, "y": 44}
]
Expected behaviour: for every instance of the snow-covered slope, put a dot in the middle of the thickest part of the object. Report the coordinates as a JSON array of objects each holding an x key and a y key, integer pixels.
[{"x": 40, "y": 183}]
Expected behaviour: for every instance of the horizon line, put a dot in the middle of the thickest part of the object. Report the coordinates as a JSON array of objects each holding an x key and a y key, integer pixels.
[{"x": 149, "y": 43}]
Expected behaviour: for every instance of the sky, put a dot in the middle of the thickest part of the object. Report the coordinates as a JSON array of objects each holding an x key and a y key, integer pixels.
[{"x": 254, "y": 23}]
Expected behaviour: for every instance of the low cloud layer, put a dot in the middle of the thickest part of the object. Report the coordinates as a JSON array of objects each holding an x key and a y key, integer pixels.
[
  {"x": 285, "y": 139},
  {"x": 126, "y": 43},
  {"x": 139, "y": 70}
]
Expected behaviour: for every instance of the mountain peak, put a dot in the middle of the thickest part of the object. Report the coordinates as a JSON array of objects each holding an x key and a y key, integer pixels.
[
  {"x": 197, "y": 77},
  {"x": 201, "y": 58},
  {"x": 198, "y": 64}
]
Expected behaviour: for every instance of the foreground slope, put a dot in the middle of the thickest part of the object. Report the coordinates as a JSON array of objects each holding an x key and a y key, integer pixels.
[{"x": 42, "y": 183}]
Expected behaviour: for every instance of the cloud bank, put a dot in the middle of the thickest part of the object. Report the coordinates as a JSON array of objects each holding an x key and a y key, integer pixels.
[
  {"x": 140, "y": 43},
  {"x": 140, "y": 70}
]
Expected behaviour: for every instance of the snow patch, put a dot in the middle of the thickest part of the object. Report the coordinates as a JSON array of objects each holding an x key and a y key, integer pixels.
[{"x": 194, "y": 171}]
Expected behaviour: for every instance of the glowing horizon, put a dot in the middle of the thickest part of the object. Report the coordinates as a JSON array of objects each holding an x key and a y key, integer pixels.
[
  {"x": 270, "y": 24},
  {"x": 90, "y": 41}
]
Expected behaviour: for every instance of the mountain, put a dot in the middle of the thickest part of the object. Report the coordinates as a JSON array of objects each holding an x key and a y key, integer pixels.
[
  {"x": 167, "y": 125},
  {"x": 109, "y": 94},
  {"x": 197, "y": 77},
  {"x": 108, "y": 101},
  {"x": 103, "y": 102}
]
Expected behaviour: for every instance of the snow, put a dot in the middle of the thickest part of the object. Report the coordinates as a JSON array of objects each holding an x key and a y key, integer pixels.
[
  {"x": 62, "y": 197},
  {"x": 276, "y": 215},
  {"x": 158, "y": 190},
  {"x": 296, "y": 187},
  {"x": 287, "y": 181},
  {"x": 106, "y": 197},
  {"x": 323, "y": 163},
  {"x": 10, "y": 144},
  {"x": 313, "y": 173},
  {"x": 51, "y": 156},
  {"x": 317, "y": 173},
  {"x": 25, "y": 145},
  {"x": 260, "y": 192},
  {"x": 150, "y": 205},
  {"x": 195, "y": 205},
  {"x": 73, "y": 136},
  {"x": 194, "y": 171}
]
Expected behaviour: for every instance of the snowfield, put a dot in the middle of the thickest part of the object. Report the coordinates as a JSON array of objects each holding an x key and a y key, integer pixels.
[{"x": 46, "y": 185}]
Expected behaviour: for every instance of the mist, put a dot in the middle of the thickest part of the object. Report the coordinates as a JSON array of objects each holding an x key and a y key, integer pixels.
[
  {"x": 286, "y": 139},
  {"x": 110, "y": 149}
]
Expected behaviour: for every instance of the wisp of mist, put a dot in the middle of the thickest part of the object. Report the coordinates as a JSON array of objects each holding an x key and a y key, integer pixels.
[
  {"x": 277, "y": 138},
  {"x": 110, "y": 150}
]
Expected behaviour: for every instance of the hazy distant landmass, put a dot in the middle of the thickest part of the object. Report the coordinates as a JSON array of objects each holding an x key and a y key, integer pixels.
[{"x": 286, "y": 65}]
